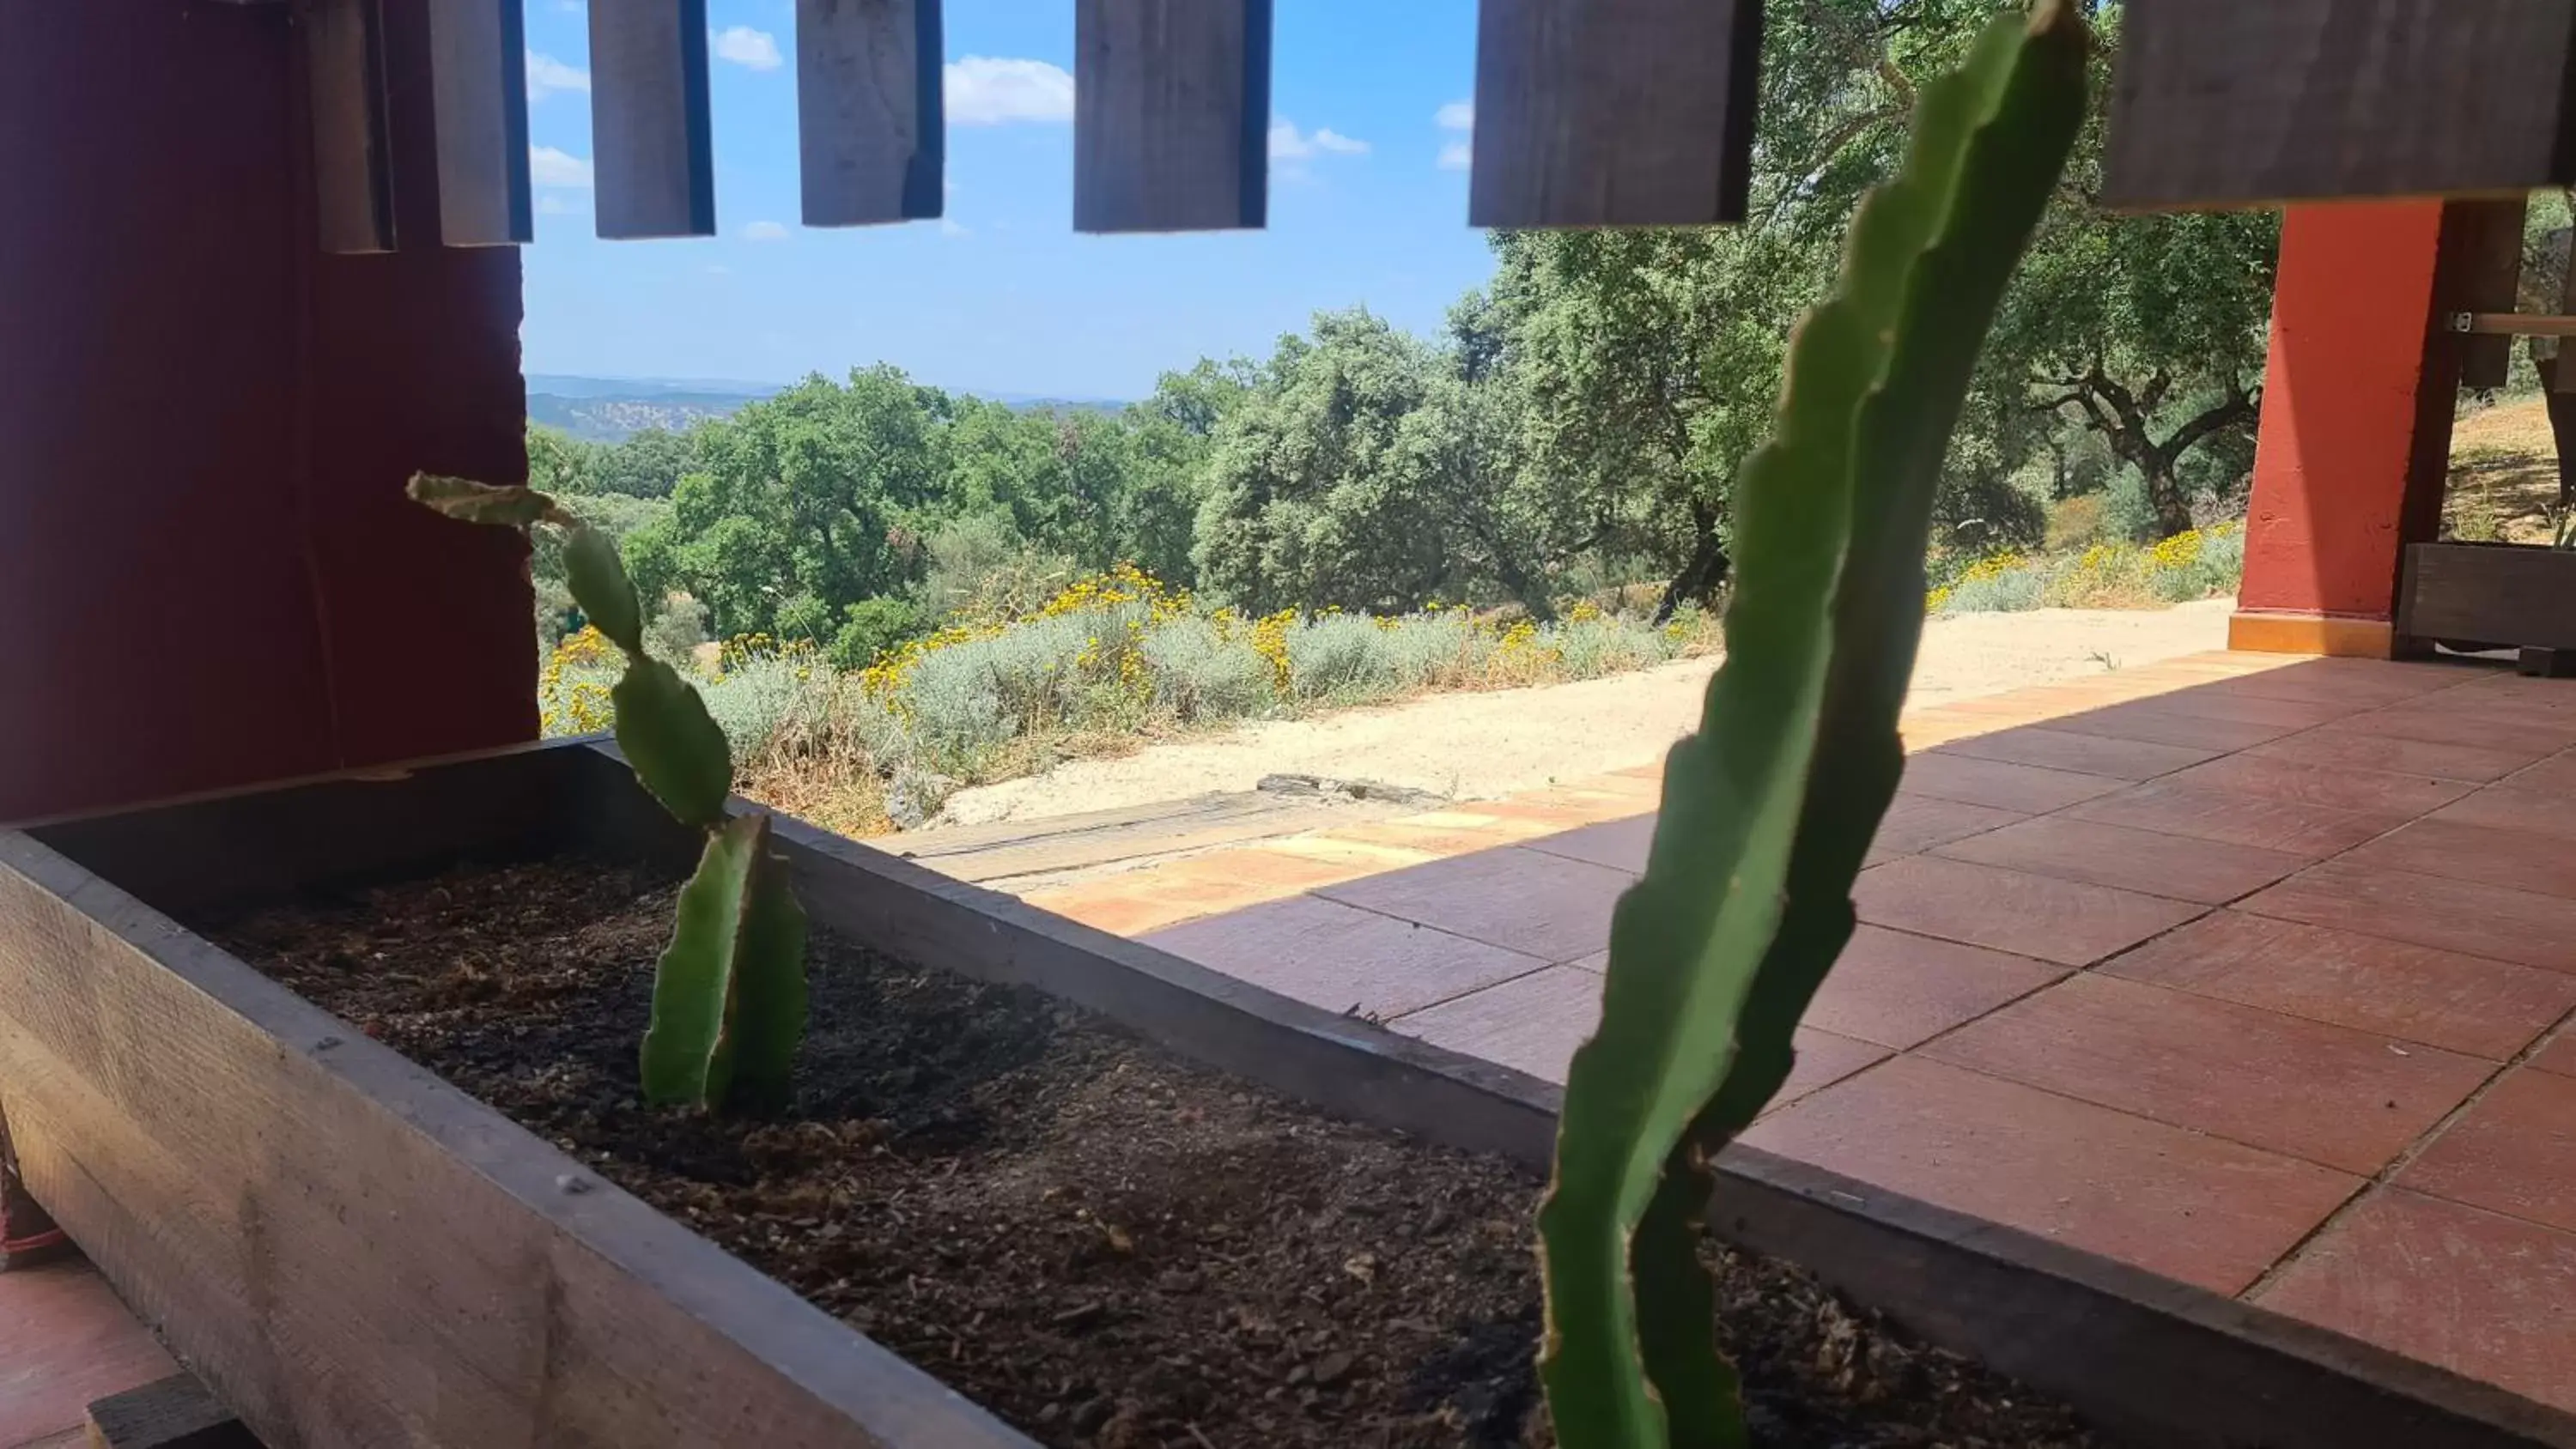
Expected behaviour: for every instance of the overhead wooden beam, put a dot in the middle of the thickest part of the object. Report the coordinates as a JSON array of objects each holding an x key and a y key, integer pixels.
[
  {"x": 1614, "y": 112},
  {"x": 2232, "y": 103},
  {"x": 652, "y": 160},
  {"x": 344, "y": 72},
  {"x": 478, "y": 59},
  {"x": 1171, "y": 115},
  {"x": 870, "y": 136}
]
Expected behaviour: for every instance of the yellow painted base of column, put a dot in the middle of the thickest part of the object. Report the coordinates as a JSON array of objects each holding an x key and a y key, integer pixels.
[{"x": 2339, "y": 636}]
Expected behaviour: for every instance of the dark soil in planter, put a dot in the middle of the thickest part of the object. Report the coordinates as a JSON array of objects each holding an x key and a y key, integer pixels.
[{"x": 1110, "y": 1249}]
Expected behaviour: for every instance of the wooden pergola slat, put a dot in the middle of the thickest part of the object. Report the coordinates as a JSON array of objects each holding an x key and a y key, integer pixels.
[
  {"x": 2232, "y": 102},
  {"x": 653, "y": 161},
  {"x": 479, "y": 92},
  {"x": 1171, "y": 115},
  {"x": 871, "y": 140},
  {"x": 344, "y": 69},
  {"x": 1597, "y": 113}
]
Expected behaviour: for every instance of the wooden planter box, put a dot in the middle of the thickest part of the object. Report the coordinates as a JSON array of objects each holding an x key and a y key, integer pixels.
[
  {"x": 352, "y": 1252},
  {"x": 2491, "y": 595}
]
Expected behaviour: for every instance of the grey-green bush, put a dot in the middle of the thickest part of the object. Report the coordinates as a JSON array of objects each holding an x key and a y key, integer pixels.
[
  {"x": 1201, "y": 676},
  {"x": 1341, "y": 656}
]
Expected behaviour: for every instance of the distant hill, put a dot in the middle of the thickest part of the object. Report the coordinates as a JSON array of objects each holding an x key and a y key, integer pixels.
[{"x": 613, "y": 409}]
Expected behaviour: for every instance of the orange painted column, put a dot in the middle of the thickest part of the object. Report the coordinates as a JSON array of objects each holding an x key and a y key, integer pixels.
[{"x": 2357, "y": 404}]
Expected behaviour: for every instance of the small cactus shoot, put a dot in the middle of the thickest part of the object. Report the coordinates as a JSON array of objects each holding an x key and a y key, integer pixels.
[
  {"x": 1769, "y": 809},
  {"x": 729, "y": 991}
]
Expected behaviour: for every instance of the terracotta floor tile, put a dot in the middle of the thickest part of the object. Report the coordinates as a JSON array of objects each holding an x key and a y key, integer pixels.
[
  {"x": 1364, "y": 856},
  {"x": 2147, "y": 721},
  {"x": 1824, "y": 1058},
  {"x": 1900, "y": 991},
  {"x": 2445, "y": 721},
  {"x": 1438, "y": 839},
  {"x": 2483, "y": 920},
  {"x": 2480, "y": 853},
  {"x": 2558, "y": 1056},
  {"x": 2025, "y": 915},
  {"x": 2207, "y": 871},
  {"x": 2533, "y": 812},
  {"x": 1619, "y": 844},
  {"x": 2215, "y": 701},
  {"x": 2472, "y": 1291},
  {"x": 1532, "y": 1024},
  {"x": 1999, "y": 786},
  {"x": 2512, "y": 1152},
  {"x": 1558, "y": 813},
  {"x": 2191, "y": 1207},
  {"x": 2335, "y": 746},
  {"x": 1540, "y": 905},
  {"x": 2340, "y": 787},
  {"x": 2489, "y": 1009},
  {"x": 1120, "y": 913},
  {"x": 2226, "y": 816},
  {"x": 2308, "y": 686},
  {"x": 2329, "y": 1094},
  {"x": 2554, "y": 776},
  {"x": 65, "y": 1339},
  {"x": 2522, "y": 691},
  {"x": 2084, "y": 754},
  {"x": 1342, "y": 958},
  {"x": 1918, "y": 822},
  {"x": 1929, "y": 728}
]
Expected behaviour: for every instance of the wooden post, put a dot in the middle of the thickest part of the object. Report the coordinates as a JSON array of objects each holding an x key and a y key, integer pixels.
[
  {"x": 2490, "y": 280},
  {"x": 653, "y": 160},
  {"x": 2230, "y": 102},
  {"x": 1171, "y": 126},
  {"x": 1614, "y": 112},
  {"x": 870, "y": 136},
  {"x": 478, "y": 60},
  {"x": 344, "y": 74}
]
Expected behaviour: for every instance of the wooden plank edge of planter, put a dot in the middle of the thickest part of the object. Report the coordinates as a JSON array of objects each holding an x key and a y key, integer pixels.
[
  {"x": 350, "y": 1250},
  {"x": 2496, "y": 594},
  {"x": 2068, "y": 1322},
  {"x": 2064, "y": 1321}
]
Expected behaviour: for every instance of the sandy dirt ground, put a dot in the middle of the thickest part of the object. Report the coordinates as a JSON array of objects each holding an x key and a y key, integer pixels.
[{"x": 1476, "y": 746}]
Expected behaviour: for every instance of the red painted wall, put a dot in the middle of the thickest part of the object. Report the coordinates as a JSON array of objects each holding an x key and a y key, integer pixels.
[
  {"x": 2349, "y": 396},
  {"x": 208, "y": 574}
]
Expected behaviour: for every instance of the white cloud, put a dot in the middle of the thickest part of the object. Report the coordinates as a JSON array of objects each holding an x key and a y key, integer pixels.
[
  {"x": 951, "y": 226},
  {"x": 1287, "y": 143},
  {"x": 1457, "y": 116},
  {"x": 764, "y": 231},
  {"x": 985, "y": 90},
  {"x": 550, "y": 167},
  {"x": 548, "y": 76},
  {"x": 744, "y": 46}
]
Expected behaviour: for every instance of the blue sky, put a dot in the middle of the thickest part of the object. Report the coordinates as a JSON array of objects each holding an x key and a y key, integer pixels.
[{"x": 1368, "y": 204}]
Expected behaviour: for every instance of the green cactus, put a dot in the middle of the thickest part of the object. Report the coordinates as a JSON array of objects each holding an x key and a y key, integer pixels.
[
  {"x": 1770, "y": 808},
  {"x": 729, "y": 991}
]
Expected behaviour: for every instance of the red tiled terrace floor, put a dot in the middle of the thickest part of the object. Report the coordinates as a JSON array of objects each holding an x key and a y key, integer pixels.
[{"x": 2257, "y": 974}]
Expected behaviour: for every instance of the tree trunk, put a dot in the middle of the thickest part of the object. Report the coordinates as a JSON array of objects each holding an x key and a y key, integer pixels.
[
  {"x": 1700, "y": 579},
  {"x": 2164, "y": 494},
  {"x": 2562, "y": 423},
  {"x": 1532, "y": 592}
]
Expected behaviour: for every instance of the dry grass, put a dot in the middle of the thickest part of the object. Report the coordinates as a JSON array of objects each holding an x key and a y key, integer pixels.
[{"x": 2504, "y": 475}]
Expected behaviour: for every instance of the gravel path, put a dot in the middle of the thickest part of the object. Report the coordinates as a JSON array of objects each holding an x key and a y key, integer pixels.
[{"x": 1475, "y": 746}]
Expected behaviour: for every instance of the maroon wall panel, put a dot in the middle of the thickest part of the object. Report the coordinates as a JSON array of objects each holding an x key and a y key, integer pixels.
[{"x": 208, "y": 576}]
